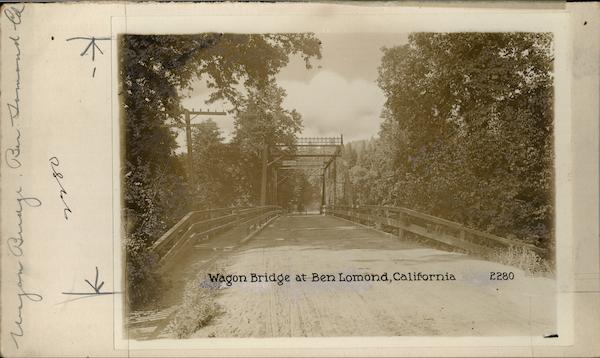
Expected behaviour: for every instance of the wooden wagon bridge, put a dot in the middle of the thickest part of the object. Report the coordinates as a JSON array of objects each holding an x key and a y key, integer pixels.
[
  {"x": 267, "y": 238},
  {"x": 320, "y": 155}
]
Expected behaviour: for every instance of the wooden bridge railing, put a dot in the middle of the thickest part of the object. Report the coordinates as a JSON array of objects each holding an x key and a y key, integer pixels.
[
  {"x": 206, "y": 223},
  {"x": 447, "y": 232}
]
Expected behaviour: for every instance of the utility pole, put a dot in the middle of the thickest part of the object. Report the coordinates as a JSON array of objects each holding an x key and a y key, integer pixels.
[
  {"x": 263, "y": 183},
  {"x": 188, "y": 135},
  {"x": 275, "y": 186},
  {"x": 188, "y": 140}
]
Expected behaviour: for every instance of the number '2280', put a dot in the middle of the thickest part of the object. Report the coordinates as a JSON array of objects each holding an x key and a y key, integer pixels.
[{"x": 502, "y": 276}]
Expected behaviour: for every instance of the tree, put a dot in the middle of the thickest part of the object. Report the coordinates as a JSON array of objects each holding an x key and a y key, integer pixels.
[
  {"x": 154, "y": 69},
  {"x": 262, "y": 120},
  {"x": 469, "y": 118},
  {"x": 349, "y": 155},
  {"x": 213, "y": 166}
]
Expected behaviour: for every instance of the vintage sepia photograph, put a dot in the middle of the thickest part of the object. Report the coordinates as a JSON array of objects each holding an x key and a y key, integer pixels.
[{"x": 338, "y": 184}]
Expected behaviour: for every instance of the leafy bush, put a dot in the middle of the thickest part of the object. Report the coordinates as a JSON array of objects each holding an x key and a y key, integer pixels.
[
  {"x": 522, "y": 258},
  {"x": 196, "y": 311},
  {"x": 142, "y": 281}
]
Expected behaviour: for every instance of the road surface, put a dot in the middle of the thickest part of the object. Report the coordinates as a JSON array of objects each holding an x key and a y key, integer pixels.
[{"x": 471, "y": 305}]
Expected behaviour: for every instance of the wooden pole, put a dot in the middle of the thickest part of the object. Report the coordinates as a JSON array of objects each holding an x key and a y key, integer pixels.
[
  {"x": 263, "y": 183},
  {"x": 187, "y": 125},
  {"x": 275, "y": 186},
  {"x": 322, "y": 191},
  {"x": 188, "y": 137}
]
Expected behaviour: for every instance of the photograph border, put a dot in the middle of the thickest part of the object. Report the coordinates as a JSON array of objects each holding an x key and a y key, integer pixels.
[{"x": 352, "y": 19}]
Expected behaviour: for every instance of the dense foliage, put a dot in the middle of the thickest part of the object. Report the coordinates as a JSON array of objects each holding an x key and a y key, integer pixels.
[
  {"x": 467, "y": 133},
  {"x": 261, "y": 120},
  {"x": 154, "y": 70}
]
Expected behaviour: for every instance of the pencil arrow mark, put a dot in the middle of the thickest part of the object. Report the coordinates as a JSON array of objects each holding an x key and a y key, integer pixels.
[{"x": 92, "y": 45}]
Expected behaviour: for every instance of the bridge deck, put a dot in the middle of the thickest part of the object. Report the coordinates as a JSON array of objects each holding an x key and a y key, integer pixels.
[{"x": 329, "y": 245}]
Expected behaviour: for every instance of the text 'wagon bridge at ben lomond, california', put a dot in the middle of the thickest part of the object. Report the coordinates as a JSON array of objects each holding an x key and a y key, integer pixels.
[{"x": 341, "y": 238}]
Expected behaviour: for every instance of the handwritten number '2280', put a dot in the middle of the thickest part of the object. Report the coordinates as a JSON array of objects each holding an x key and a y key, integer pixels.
[{"x": 54, "y": 163}]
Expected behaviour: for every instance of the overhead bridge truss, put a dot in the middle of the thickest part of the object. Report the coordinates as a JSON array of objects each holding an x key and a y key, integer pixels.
[{"x": 316, "y": 154}]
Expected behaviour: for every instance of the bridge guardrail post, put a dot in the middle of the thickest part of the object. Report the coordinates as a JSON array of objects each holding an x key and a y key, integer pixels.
[
  {"x": 236, "y": 212},
  {"x": 379, "y": 213},
  {"x": 401, "y": 231}
]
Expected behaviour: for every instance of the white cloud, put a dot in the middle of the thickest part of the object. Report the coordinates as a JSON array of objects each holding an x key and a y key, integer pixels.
[{"x": 331, "y": 104}]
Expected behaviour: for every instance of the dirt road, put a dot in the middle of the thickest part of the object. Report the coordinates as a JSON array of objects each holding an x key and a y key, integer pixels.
[{"x": 471, "y": 305}]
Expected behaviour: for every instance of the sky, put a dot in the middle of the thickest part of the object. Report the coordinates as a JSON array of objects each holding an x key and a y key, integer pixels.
[{"x": 339, "y": 95}]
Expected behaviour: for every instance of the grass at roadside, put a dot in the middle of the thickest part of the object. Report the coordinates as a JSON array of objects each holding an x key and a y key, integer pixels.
[
  {"x": 524, "y": 259},
  {"x": 198, "y": 309}
]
